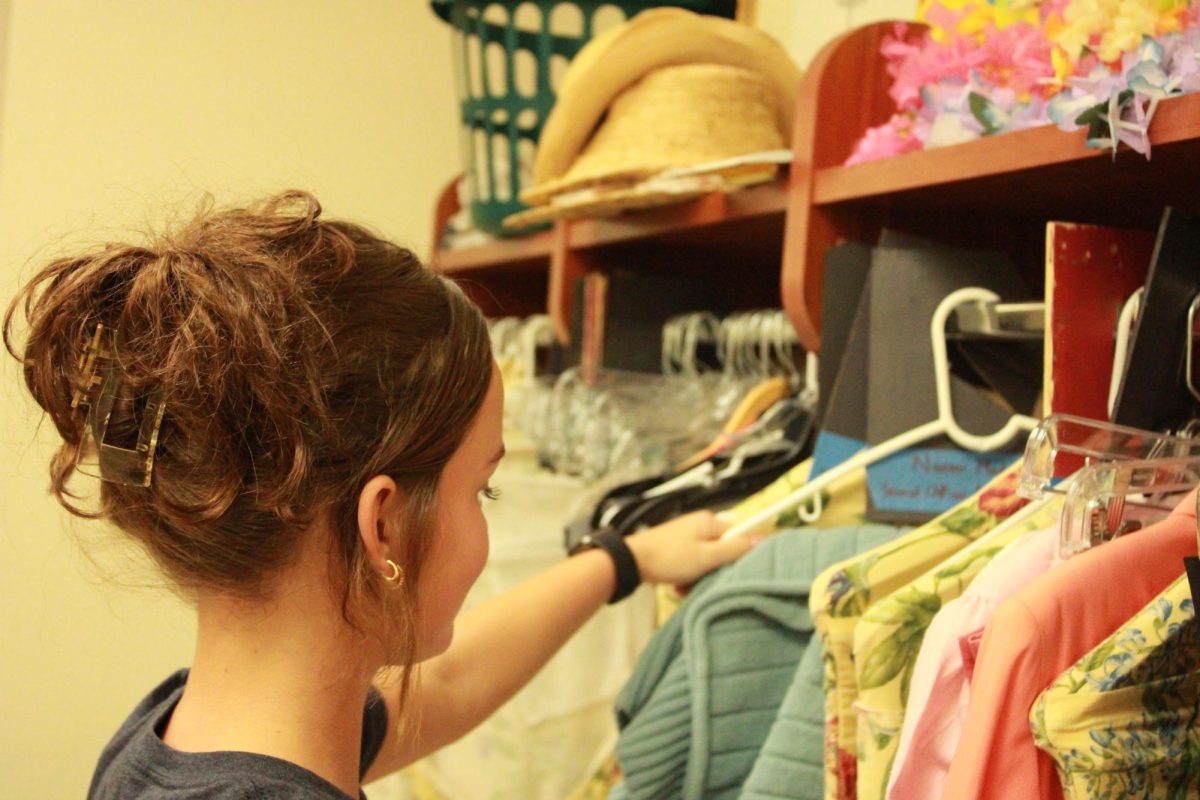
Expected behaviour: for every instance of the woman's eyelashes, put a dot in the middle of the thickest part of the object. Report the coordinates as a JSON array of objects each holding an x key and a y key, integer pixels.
[{"x": 489, "y": 492}]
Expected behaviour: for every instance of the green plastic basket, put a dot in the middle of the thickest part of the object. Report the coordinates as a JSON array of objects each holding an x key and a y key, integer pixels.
[{"x": 509, "y": 58}]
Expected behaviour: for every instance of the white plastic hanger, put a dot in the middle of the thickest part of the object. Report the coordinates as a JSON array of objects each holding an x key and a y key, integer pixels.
[
  {"x": 537, "y": 331},
  {"x": 945, "y": 424},
  {"x": 1192, "y": 352},
  {"x": 1129, "y": 312}
]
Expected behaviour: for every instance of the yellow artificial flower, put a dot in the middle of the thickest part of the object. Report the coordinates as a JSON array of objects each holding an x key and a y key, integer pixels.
[
  {"x": 1134, "y": 20},
  {"x": 1010, "y": 12},
  {"x": 976, "y": 17},
  {"x": 1114, "y": 27}
]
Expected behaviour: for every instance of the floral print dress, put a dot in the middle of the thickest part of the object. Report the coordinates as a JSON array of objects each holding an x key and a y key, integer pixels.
[
  {"x": 843, "y": 593},
  {"x": 1122, "y": 722},
  {"x": 888, "y": 639}
]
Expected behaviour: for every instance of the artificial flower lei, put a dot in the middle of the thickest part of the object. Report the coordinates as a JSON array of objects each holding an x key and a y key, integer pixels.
[{"x": 989, "y": 66}]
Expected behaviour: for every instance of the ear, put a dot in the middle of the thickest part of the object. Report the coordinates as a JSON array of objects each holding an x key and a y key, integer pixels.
[{"x": 375, "y": 503}]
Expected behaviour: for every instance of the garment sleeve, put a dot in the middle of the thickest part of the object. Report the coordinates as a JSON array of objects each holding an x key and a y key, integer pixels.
[
  {"x": 374, "y": 730},
  {"x": 929, "y": 734},
  {"x": 996, "y": 756}
]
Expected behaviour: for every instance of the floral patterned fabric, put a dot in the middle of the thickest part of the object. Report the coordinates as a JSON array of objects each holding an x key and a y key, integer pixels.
[
  {"x": 843, "y": 593},
  {"x": 1039, "y": 633},
  {"x": 888, "y": 639},
  {"x": 1121, "y": 722}
]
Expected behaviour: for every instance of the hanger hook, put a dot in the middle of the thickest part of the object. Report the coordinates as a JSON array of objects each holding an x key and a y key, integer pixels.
[
  {"x": 670, "y": 336},
  {"x": 941, "y": 368},
  {"x": 1192, "y": 379}
]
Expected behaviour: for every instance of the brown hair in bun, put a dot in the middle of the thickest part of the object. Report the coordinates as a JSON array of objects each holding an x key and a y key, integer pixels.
[{"x": 297, "y": 357}]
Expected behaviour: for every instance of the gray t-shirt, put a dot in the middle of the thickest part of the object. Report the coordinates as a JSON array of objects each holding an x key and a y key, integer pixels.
[{"x": 137, "y": 765}]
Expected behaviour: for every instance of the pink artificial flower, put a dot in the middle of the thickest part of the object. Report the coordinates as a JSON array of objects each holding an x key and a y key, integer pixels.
[
  {"x": 1052, "y": 9},
  {"x": 892, "y": 138},
  {"x": 1018, "y": 57}
]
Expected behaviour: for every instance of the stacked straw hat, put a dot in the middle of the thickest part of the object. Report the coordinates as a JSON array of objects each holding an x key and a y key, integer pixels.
[{"x": 666, "y": 106}]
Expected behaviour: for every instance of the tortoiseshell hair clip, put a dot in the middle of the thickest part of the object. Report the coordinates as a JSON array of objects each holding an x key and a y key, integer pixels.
[{"x": 99, "y": 457}]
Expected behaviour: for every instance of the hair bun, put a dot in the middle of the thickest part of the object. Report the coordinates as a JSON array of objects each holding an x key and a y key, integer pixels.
[{"x": 294, "y": 355}]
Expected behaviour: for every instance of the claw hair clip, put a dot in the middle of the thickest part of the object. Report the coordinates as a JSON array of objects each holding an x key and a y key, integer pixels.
[{"x": 100, "y": 455}]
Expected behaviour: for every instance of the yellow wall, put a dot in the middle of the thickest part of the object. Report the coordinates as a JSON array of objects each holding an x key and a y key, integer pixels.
[
  {"x": 111, "y": 114},
  {"x": 111, "y": 110}
]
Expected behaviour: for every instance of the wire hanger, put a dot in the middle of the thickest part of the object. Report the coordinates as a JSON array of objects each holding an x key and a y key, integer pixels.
[{"x": 945, "y": 423}]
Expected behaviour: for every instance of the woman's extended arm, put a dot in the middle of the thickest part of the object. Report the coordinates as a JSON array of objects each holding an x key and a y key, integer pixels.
[{"x": 501, "y": 644}]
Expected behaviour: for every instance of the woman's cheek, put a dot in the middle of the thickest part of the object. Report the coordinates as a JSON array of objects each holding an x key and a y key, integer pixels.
[{"x": 468, "y": 531}]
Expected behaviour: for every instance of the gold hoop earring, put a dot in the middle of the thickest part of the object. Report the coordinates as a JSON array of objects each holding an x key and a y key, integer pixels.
[{"x": 397, "y": 576}]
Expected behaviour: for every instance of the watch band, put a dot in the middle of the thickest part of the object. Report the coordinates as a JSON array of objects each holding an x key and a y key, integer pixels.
[{"x": 611, "y": 542}]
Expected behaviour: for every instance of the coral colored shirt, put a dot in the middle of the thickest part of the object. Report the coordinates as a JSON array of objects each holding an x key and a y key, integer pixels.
[
  {"x": 1039, "y": 633},
  {"x": 940, "y": 689}
]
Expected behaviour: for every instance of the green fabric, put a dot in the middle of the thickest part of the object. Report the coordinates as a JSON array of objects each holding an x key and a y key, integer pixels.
[
  {"x": 729, "y": 672},
  {"x": 790, "y": 763}
]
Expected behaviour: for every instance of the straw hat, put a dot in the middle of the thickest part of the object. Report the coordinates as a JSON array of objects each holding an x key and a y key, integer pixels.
[{"x": 674, "y": 89}]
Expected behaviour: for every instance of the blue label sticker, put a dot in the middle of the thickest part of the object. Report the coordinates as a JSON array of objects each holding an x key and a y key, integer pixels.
[
  {"x": 832, "y": 449},
  {"x": 930, "y": 481}
]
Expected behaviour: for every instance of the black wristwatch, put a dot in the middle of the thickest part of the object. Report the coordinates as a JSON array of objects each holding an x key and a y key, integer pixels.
[{"x": 611, "y": 542}]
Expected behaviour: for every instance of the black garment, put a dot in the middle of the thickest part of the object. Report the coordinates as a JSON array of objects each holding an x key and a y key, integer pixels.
[
  {"x": 625, "y": 509},
  {"x": 137, "y": 765}
]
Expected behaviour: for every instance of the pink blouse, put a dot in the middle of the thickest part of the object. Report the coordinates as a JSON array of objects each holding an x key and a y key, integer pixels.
[{"x": 940, "y": 688}]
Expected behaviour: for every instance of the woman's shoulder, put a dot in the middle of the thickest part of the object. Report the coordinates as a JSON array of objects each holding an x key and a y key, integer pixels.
[
  {"x": 137, "y": 765},
  {"x": 126, "y": 744}
]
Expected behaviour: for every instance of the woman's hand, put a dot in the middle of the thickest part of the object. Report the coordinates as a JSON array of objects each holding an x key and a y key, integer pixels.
[{"x": 686, "y": 548}]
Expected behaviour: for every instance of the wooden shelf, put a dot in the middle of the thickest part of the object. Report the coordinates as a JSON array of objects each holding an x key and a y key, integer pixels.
[
  {"x": 707, "y": 237},
  {"x": 998, "y": 191},
  {"x": 533, "y": 252},
  {"x": 504, "y": 277},
  {"x": 762, "y": 200},
  {"x": 1177, "y": 121},
  {"x": 529, "y": 253},
  {"x": 537, "y": 273}
]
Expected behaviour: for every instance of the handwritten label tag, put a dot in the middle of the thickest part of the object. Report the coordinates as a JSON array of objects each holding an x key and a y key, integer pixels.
[{"x": 930, "y": 481}]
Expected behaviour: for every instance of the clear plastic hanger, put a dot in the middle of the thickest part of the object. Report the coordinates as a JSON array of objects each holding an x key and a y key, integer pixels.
[
  {"x": 501, "y": 332},
  {"x": 516, "y": 344},
  {"x": 1108, "y": 500},
  {"x": 1061, "y": 444},
  {"x": 682, "y": 336},
  {"x": 672, "y": 335},
  {"x": 643, "y": 419},
  {"x": 535, "y": 332},
  {"x": 944, "y": 425}
]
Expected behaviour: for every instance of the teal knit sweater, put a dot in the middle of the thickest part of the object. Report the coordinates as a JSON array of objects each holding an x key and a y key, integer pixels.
[{"x": 726, "y": 701}]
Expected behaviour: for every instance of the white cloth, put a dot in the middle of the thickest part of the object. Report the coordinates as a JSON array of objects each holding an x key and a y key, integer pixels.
[{"x": 547, "y": 741}]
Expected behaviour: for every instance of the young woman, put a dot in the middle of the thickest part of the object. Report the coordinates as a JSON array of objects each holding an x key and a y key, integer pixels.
[{"x": 296, "y": 420}]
